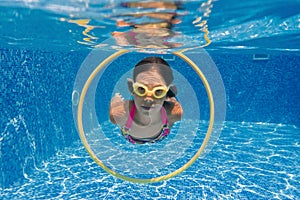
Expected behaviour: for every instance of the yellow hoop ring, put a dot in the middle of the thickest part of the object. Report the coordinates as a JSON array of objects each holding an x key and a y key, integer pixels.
[{"x": 157, "y": 179}]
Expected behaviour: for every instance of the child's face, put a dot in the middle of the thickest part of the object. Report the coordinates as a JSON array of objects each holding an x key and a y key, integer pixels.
[{"x": 148, "y": 103}]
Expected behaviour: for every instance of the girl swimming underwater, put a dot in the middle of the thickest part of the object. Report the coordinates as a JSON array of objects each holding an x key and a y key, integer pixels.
[{"x": 154, "y": 109}]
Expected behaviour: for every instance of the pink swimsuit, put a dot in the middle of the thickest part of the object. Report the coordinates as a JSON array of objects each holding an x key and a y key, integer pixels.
[{"x": 126, "y": 129}]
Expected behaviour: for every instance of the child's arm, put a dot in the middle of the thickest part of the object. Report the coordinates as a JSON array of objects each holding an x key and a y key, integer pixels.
[
  {"x": 174, "y": 109},
  {"x": 117, "y": 112}
]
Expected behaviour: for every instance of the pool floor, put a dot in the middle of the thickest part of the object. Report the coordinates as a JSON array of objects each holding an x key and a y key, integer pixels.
[{"x": 250, "y": 161}]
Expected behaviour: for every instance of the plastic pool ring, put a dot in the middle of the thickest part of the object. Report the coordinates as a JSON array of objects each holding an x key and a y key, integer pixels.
[{"x": 160, "y": 178}]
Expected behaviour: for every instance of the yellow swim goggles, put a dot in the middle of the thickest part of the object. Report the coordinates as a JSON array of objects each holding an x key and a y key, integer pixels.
[{"x": 142, "y": 90}]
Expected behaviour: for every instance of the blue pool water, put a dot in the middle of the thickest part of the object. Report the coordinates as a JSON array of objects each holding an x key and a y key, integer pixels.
[
  {"x": 250, "y": 161},
  {"x": 255, "y": 47}
]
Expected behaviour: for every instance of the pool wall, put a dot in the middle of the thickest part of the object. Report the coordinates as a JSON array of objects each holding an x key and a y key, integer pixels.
[
  {"x": 261, "y": 90},
  {"x": 36, "y": 114},
  {"x": 36, "y": 108}
]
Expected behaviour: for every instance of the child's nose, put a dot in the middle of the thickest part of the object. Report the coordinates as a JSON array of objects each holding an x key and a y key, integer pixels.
[
  {"x": 148, "y": 99},
  {"x": 148, "y": 102}
]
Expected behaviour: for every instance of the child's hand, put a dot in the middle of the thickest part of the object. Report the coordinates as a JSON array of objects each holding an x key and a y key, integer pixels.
[
  {"x": 117, "y": 100},
  {"x": 118, "y": 109},
  {"x": 119, "y": 95}
]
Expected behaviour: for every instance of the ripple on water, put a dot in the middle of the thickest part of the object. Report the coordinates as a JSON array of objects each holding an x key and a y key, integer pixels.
[{"x": 246, "y": 163}]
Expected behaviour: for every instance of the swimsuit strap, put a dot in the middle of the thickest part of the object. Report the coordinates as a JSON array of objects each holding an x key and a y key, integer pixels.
[
  {"x": 165, "y": 128},
  {"x": 126, "y": 128},
  {"x": 130, "y": 117},
  {"x": 164, "y": 117}
]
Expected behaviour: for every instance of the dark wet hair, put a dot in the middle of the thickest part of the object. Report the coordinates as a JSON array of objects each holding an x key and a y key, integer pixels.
[{"x": 161, "y": 66}]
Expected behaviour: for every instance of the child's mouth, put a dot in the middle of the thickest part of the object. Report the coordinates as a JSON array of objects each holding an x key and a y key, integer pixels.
[{"x": 146, "y": 107}]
